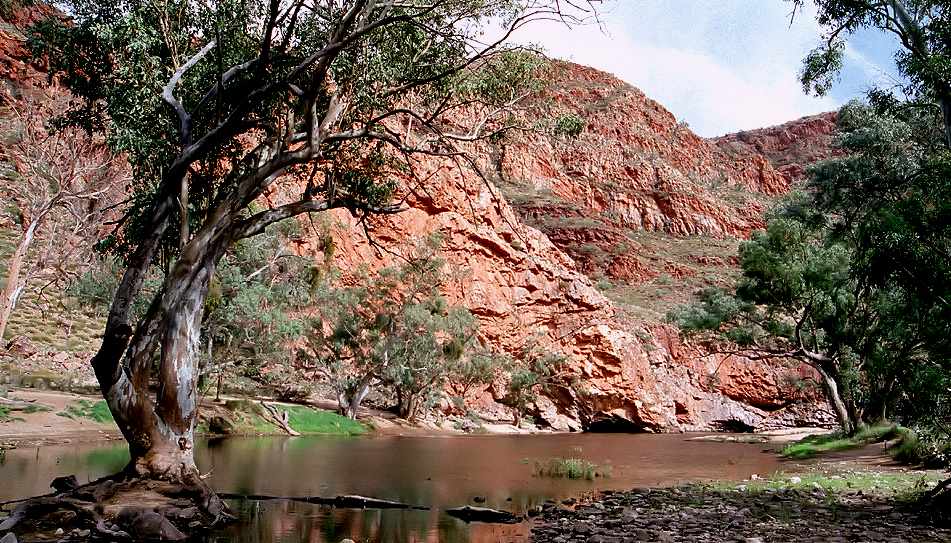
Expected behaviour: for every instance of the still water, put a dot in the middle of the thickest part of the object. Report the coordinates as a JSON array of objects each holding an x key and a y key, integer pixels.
[{"x": 437, "y": 472}]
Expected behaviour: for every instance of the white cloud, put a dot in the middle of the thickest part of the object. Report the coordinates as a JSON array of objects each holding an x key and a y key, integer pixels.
[{"x": 722, "y": 67}]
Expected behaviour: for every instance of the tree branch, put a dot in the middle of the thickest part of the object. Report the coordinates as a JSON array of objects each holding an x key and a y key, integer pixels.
[{"x": 168, "y": 93}]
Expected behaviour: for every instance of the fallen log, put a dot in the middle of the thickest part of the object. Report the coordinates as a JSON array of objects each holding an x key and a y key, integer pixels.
[
  {"x": 351, "y": 501},
  {"x": 281, "y": 419},
  {"x": 19, "y": 405},
  {"x": 483, "y": 514}
]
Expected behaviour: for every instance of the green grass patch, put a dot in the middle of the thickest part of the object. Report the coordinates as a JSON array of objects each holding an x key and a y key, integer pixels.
[
  {"x": 815, "y": 445},
  {"x": 5, "y": 415},
  {"x": 569, "y": 468},
  {"x": 317, "y": 421},
  {"x": 85, "y": 409},
  {"x": 247, "y": 417}
]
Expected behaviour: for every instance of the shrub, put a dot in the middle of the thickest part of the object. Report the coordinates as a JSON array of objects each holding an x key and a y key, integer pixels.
[
  {"x": 569, "y": 468},
  {"x": 85, "y": 409},
  {"x": 569, "y": 125}
]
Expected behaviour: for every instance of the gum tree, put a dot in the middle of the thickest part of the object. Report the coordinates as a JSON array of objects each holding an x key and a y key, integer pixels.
[
  {"x": 921, "y": 27},
  {"x": 61, "y": 184},
  {"x": 394, "y": 331},
  {"x": 216, "y": 104}
]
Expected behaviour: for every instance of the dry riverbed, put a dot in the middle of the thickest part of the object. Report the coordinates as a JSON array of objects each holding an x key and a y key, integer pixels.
[{"x": 58, "y": 417}]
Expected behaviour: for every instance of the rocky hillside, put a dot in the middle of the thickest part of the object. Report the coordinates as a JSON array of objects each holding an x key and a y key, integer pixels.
[
  {"x": 789, "y": 147},
  {"x": 577, "y": 240},
  {"x": 582, "y": 244}
]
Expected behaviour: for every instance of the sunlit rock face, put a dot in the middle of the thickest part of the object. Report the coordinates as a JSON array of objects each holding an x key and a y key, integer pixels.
[
  {"x": 514, "y": 242},
  {"x": 790, "y": 147}
]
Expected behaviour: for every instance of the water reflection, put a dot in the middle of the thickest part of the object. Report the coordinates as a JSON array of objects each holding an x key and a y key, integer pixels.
[{"x": 438, "y": 472}]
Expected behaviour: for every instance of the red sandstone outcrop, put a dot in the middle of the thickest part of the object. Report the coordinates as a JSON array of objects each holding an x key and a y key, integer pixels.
[{"x": 790, "y": 147}]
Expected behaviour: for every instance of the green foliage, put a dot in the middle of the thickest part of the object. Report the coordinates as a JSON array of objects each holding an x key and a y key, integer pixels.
[
  {"x": 5, "y": 415},
  {"x": 920, "y": 28},
  {"x": 927, "y": 445},
  {"x": 851, "y": 275},
  {"x": 36, "y": 408},
  {"x": 96, "y": 286},
  {"x": 116, "y": 58},
  {"x": 820, "y": 68},
  {"x": 568, "y": 125},
  {"x": 477, "y": 367},
  {"x": 397, "y": 331},
  {"x": 535, "y": 370},
  {"x": 503, "y": 77},
  {"x": 252, "y": 311}
]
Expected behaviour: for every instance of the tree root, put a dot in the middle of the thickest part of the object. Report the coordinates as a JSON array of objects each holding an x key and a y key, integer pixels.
[{"x": 119, "y": 508}]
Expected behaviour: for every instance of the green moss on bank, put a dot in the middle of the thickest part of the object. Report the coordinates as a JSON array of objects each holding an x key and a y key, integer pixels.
[
  {"x": 85, "y": 409},
  {"x": 811, "y": 446},
  {"x": 248, "y": 418},
  {"x": 5, "y": 415},
  {"x": 307, "y": 420}
]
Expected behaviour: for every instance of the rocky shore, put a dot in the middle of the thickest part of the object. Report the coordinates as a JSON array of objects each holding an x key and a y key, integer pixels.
[{"x": 702, "y": 514}]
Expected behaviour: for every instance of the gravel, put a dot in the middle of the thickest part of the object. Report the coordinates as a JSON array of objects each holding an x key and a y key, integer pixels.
[{"x": 696, "y": 514}]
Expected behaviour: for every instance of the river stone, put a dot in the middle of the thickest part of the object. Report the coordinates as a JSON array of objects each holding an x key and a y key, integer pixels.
[
  {"x": 482, "y": 514},
  {"x": 147, "y": 524},
  {"x": 220, "y": 425},
  {"x": 64, "y": 483}
]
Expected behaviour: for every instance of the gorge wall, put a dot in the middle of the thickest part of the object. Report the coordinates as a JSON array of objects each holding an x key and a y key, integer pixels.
[
  {"x": 566, "y": 238},
  {"x": 583, "y": 244}
]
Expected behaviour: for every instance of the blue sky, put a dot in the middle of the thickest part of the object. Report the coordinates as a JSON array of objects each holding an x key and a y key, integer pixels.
[{"x": 719, "y": 65}]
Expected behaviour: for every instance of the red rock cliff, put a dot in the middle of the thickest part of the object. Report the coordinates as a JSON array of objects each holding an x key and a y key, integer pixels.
[{"x": 561, "y": 213}]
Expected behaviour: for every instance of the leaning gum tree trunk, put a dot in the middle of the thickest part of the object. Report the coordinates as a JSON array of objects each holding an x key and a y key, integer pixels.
[
  {"x": 161, "y": 432},
  {"x": 834, "y": 396}
]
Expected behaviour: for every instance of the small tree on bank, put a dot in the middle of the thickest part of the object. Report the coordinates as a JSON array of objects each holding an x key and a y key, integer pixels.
[
  {"x": 393, "y": 331},
  {"x": 534, "y": 371},
  {"x": 851, "y": 277},
  {"x": 253, "y": 308},
  {"x": 795, "y": 301}
]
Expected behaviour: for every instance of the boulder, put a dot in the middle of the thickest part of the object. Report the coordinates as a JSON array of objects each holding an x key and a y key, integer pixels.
[{"x": 64, "y": 483}]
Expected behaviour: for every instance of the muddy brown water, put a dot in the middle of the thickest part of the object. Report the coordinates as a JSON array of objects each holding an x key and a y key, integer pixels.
[{"x": 437, "y": 472}]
